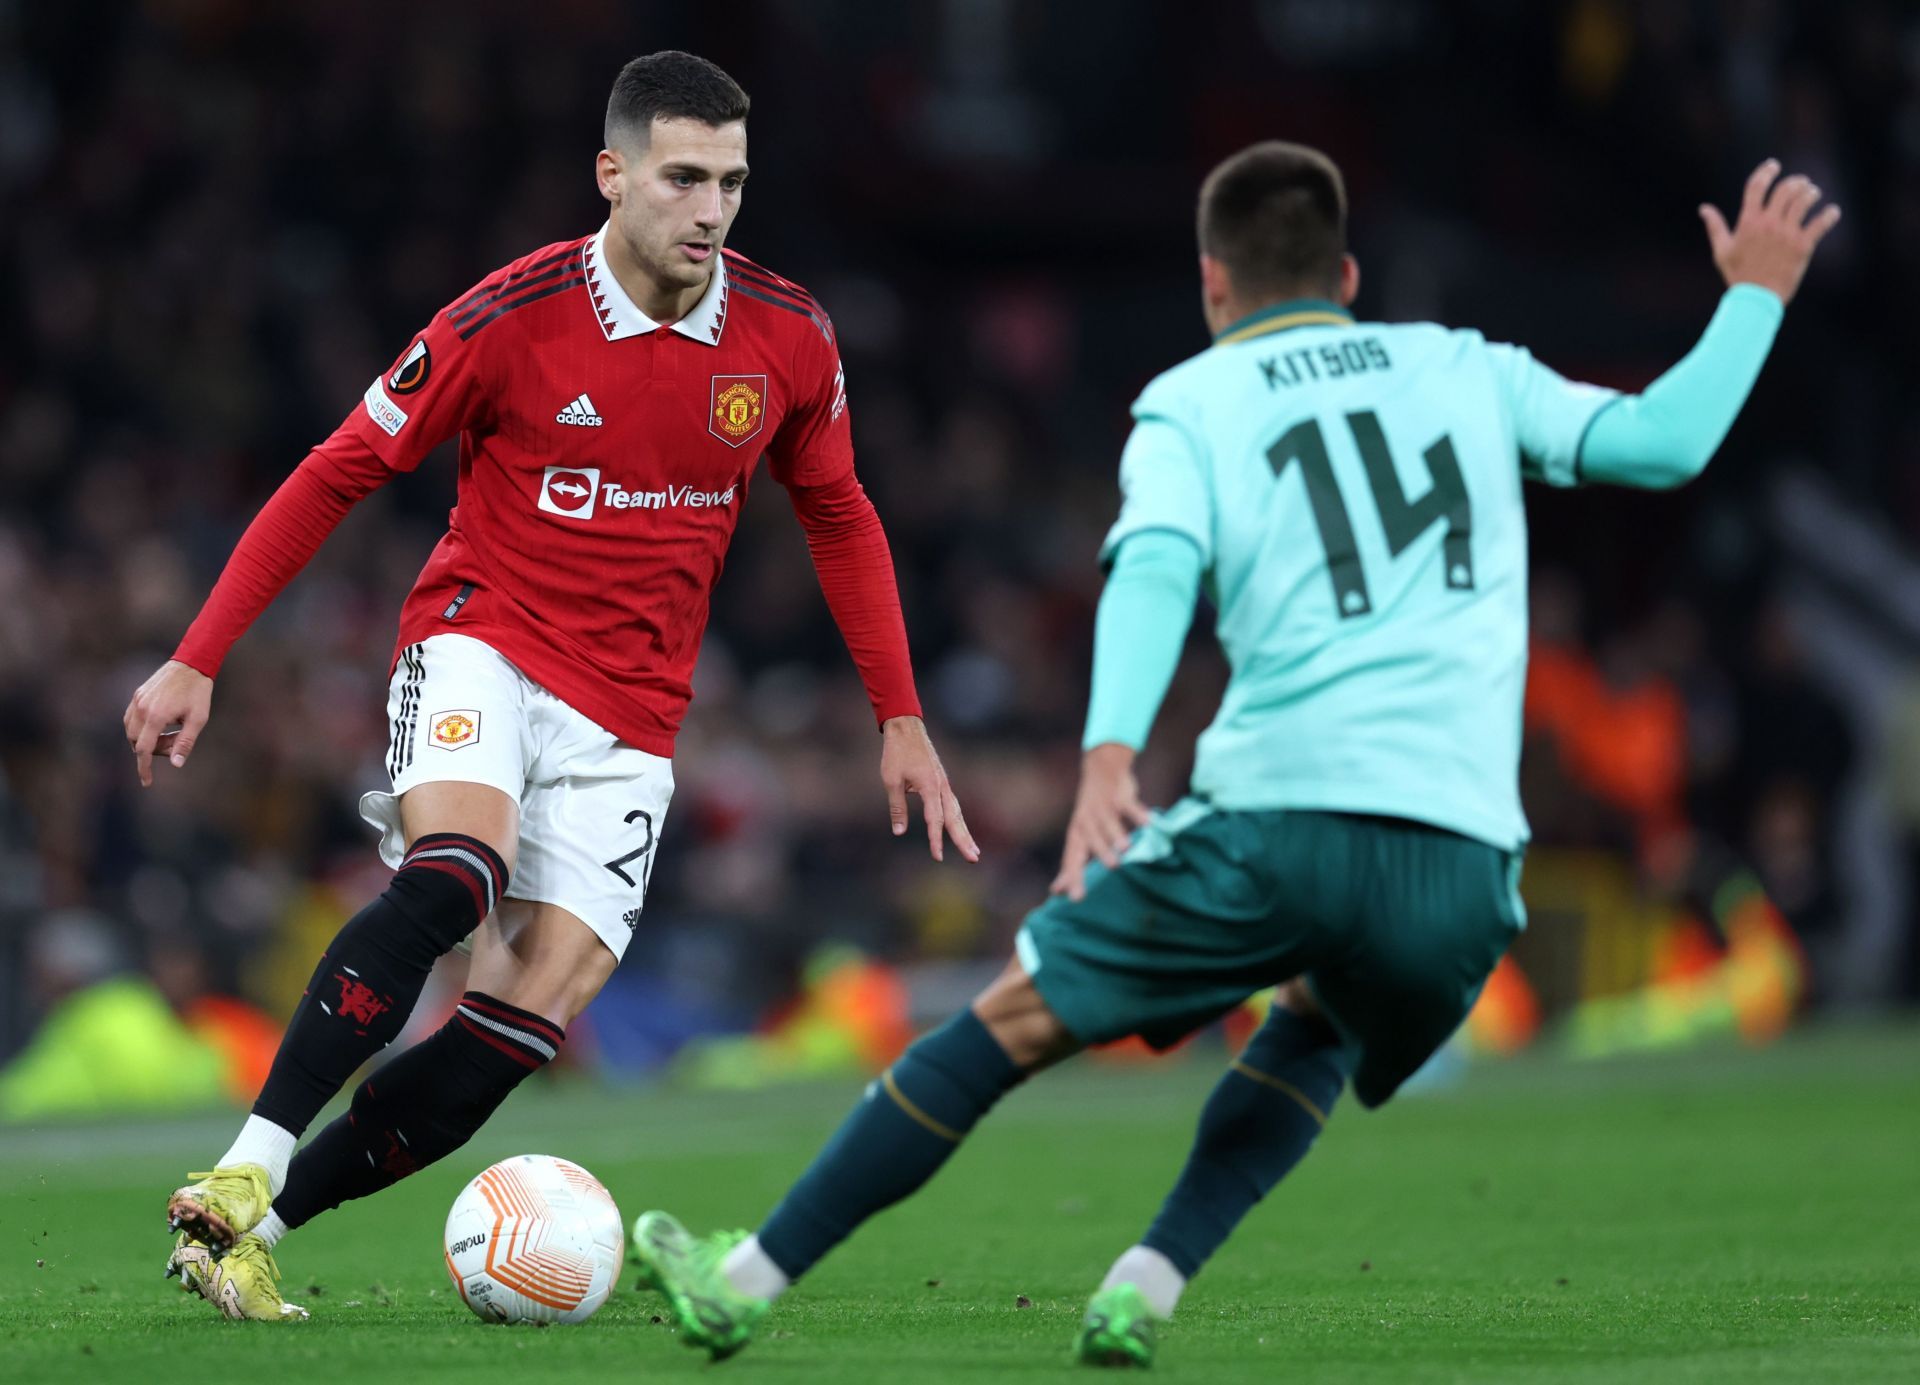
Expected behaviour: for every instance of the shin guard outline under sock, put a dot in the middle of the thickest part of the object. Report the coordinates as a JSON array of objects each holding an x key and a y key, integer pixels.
[{"x": 372, "y": 973}]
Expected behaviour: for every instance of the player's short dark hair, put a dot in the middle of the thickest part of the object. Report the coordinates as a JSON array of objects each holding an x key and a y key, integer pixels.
[
  {"x": 1275, "y": 215},
  {"x": 679, "y": 86}
]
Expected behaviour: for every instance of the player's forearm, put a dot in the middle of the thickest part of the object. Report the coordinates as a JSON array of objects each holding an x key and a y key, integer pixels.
[
  {"x": 1665, "y": 435},
  {"x": 286, "y": 533},
  {"x": 854, "y": 563},
  {"x": 1138, "y": 634}
]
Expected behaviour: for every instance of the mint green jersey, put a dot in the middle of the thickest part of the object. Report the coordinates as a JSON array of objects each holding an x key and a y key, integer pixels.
[{"x": 1355, "y": 493}]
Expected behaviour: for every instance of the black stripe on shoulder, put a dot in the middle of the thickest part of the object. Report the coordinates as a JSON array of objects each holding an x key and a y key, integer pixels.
[
  {"x": 480, "y": 302},
  {"x": 501, "y": 279},
  {"x": 499, "y": 309},
  {"x": 767, "y": 279},
  {"x": 800, "y": 298},
  {"x": 818, "y": 321}
]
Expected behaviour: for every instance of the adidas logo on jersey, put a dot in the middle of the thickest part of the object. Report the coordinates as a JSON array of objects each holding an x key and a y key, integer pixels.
[{"x": 580, "y": 414}]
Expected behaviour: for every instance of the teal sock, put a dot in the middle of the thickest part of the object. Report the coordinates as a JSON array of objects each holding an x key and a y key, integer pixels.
[
  {"x": 913, "y": 1116},
  {"x": 1260, "y": 1121}
]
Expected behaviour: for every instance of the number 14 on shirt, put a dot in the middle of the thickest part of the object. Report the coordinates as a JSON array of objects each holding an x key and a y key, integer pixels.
[{"x": 1404, "y": 520}]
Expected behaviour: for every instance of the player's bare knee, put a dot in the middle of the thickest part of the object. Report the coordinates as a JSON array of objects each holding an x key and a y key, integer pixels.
[
  {"x": 549, "y": 992},
  {"x": 1297, "y": 996},
  {"x": 1016, "y": 1015},
  {"x": 1032, "y": 1040},
  {"x": 542, "y": 959},
  {"x": 587, "y": 979}
]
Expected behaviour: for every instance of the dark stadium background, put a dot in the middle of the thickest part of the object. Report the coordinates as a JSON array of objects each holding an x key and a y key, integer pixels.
[{"x": 219, "y": 220}]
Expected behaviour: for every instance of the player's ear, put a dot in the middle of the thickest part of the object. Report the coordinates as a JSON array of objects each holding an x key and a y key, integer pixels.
[
  {"x": 606, "y": 173},
  {"x": 1215, "y": 287},
  {"x": 1349, "y": 281}
]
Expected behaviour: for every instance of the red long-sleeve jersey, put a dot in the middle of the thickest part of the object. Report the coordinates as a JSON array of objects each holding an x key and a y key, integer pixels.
[{"x": 604, "y": 459}]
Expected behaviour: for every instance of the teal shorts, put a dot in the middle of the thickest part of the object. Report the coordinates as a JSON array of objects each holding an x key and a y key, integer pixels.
[{"x": 1395, "y": 926}]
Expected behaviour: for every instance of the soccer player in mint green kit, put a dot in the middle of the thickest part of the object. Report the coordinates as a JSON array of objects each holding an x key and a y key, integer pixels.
[{"x": 1349, "y": 493}]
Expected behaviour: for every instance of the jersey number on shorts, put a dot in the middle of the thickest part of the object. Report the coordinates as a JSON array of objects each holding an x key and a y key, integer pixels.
[
  {"x": 1404, "y": 520},
  {"x": 619, "y": 863}
]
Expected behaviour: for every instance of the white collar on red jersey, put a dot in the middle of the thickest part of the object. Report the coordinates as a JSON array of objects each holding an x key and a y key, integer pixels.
[{"x": 620, "y": 317}]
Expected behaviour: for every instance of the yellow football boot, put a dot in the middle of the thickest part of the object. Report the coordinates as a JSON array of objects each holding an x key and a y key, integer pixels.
[
  {"x": 219, "y": 1208},
  {"x": 192, "y": 1262},
  {"x": 244, "y": 1284}
]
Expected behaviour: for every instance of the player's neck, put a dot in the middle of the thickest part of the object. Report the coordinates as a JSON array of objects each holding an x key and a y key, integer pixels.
[
  {"x": 665, "y": 304},
  {"x": 1228, "y": 316}
]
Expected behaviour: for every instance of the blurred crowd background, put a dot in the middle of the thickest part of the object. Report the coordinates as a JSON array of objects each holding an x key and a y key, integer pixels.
[{"x": 219, "y": 220}]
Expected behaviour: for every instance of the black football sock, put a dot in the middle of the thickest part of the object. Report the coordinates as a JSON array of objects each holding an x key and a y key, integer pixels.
[
  {"x": 367, "y": 983},
  {"x": 1261, "y": 1120},
  {"x": 420, "y": 1107},
  {"x": 913, "y": 1116}
]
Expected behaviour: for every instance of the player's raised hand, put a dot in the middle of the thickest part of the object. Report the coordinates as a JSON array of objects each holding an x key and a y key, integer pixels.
[
  {"x": 1105, "y": 812},
  {"x": 1775, "y": 236},
  {"x": 166, "y": 716},
  {"x": 910, "y": 765}
]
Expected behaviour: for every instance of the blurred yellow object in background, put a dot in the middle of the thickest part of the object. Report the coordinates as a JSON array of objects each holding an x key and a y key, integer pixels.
[
  {"x": 850, "y": 1017},
  {"x": 1752, "y": 987},
  {"x": 112, "y": 1048}
]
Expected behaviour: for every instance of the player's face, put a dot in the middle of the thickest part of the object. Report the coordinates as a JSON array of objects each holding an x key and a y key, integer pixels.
[{"x": 678, "y": 197}]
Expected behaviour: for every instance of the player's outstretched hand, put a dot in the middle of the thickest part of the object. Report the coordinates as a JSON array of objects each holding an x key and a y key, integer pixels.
[
  {"x": 166, "y": 716},
  {"x": 1778, "y": 229},
  {"x": 1105, "y": 812},
  {"x": 909, "y": 764}
]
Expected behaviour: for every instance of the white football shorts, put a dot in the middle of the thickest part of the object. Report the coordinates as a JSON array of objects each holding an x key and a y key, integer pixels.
[{"x": 591, "y": 807}]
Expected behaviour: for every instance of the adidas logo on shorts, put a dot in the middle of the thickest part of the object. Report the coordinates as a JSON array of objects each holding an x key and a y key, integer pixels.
[{"x": 580, "y": 414}]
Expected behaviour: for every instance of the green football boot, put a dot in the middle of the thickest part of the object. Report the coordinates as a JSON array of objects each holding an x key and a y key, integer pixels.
[
  {"x": 686, "y": 1270},
  {"x": 1118, "y": 1329}
]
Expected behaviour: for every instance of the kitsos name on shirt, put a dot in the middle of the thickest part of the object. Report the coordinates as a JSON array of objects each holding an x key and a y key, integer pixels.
[{"x": 1334, "y": 361}]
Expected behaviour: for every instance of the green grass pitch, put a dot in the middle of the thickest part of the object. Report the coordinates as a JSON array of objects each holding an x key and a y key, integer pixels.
[{"x": 1724, "y": 1215}]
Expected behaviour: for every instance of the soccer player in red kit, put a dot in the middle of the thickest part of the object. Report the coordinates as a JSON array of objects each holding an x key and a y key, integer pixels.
[{"x": 613, "y": 395}]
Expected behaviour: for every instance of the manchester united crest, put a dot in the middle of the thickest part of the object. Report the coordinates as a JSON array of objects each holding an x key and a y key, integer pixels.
[
  {"x": 455, "y": 730},
  {"x": 737, "y": 408},
  {"x": 359, "y": 1002}
]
